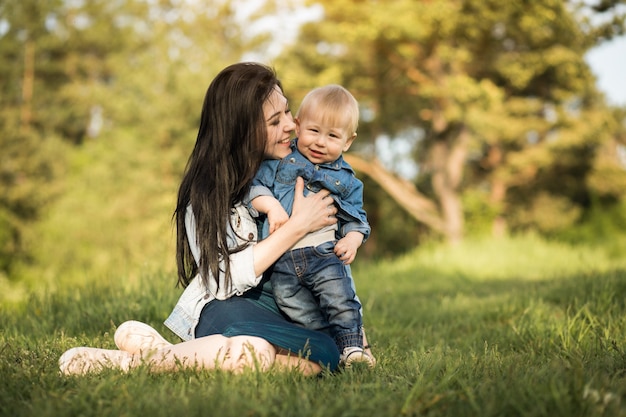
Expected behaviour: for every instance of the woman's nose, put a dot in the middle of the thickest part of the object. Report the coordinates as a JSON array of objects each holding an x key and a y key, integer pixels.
[{"x": 290, "y": 125}]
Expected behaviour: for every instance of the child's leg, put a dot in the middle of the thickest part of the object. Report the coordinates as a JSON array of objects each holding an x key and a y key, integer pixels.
[
  {"x": 294, "y": 299},
  {"x": 334, "y": 289}
]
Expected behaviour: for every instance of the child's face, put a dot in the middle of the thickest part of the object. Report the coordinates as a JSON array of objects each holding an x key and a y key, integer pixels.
[{"x": 321, "y": 143}]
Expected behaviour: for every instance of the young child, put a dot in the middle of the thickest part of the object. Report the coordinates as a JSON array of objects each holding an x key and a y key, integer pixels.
[{"x": 312, "y": 283}]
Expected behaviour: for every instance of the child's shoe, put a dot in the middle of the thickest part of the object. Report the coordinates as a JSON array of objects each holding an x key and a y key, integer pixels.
[
  {"x": 137, "y": 337},
  {"x": 355, "y": 354}
]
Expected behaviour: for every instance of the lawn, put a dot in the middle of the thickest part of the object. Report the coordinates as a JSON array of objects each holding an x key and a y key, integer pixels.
[{"x": 516, "y": 327}]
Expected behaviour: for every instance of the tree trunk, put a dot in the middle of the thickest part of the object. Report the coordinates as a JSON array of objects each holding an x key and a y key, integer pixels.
[
  {"x": 27, "y": 85},
  {"x": 447, "y": 159},
  {"x": 403, "y": 192},
  {"x": 493, "y": 162}
]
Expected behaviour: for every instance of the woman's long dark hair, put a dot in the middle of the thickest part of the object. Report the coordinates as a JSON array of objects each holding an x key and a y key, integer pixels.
[{"x": 228, "y": 151}]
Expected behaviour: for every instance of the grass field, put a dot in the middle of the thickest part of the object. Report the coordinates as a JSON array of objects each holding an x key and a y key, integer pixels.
[{"x": 517, "y": 327}]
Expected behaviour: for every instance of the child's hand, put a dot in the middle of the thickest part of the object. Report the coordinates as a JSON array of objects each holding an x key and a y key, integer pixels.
[
  {"x": 276, "y": 217},
  {"x": 346, "y": 247},
  {"x": 276, "y": 214}
]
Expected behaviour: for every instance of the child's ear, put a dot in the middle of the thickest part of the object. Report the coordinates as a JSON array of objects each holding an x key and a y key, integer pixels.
[
  {"x": 297, "y": 121},
  {"x": 349, "y": 142}
]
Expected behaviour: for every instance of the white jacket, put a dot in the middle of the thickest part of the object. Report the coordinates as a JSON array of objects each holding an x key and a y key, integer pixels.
[{"x": 242, "y": 230}]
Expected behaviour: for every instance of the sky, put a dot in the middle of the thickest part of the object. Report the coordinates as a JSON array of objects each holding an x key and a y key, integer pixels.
[{"x": 608, "y": 63}]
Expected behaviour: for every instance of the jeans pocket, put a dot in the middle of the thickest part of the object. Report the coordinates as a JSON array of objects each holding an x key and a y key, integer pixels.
[{"x": 325, "y": 250}]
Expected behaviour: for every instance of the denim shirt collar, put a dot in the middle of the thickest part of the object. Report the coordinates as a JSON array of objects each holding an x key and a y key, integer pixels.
[{"x": 336, "y": 165}]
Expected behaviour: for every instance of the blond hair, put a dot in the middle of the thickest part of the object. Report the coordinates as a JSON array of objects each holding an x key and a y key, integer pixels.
[{"x": 334, "y": 105}]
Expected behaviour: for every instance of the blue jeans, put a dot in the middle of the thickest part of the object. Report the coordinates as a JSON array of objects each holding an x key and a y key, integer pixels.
[{"x": 313, "y": 287}]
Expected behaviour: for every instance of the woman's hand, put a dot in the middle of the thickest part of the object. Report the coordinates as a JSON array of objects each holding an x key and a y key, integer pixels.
[
  {"x": 309, "y": 214},
  {"x": 315, "y": 211}
]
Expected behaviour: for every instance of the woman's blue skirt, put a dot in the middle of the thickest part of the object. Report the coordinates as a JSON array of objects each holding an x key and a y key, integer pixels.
[{"x": 250, "y": 316}]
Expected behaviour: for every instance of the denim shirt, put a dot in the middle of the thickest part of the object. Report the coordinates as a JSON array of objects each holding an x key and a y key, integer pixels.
[
  {"x": 278, "y": 178},
  {"x": 242, "y": 230}
]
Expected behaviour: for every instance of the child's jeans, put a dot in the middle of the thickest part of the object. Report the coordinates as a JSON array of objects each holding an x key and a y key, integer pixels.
[{"x": 315, "y": 289}]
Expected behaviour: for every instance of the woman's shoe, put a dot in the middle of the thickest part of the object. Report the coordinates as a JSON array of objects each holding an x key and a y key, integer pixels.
[
  {"x": 82, "y": 360},
  {"x": 138, "y": 338}
]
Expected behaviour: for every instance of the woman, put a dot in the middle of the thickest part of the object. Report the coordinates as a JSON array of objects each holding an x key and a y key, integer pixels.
[{"x": 226, "y": 315}]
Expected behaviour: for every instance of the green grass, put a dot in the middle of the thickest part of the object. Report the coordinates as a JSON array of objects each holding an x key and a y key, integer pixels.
[{"x": 516, "y": 327}]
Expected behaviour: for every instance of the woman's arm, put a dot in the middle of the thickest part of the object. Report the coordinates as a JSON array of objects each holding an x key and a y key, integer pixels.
[{"x": 309, "y": 214}]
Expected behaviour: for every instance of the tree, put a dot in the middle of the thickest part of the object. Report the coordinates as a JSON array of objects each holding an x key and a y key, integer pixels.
[
  {"x": 30, "y": 159},
  {"x": 59, "y": 59},
  {"x": 498, "y": 91},
  {"x": 551, "y": 121},
  {"x": 118, "y": 88}
]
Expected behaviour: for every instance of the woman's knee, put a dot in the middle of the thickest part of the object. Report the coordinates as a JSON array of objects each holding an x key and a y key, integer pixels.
[{"x": 248, "y": 352}]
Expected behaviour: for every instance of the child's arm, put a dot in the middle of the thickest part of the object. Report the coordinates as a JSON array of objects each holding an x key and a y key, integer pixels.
[
  {"x": 261, "y": 185},
  {"x": 353, "y": 227},
  {"x": 346, "y": 247},
  {"x": 276, "y": 214}
]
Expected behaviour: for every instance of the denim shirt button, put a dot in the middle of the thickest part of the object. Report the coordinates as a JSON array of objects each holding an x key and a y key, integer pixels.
[
  {"x": 292, "y": 160},
  {"x": 337, "y": 182},
  {"x": 317, "y": 167}
]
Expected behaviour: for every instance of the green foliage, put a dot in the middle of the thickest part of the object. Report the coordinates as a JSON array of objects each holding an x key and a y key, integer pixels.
[
  {"x": 516, "y": 327},
  {"x": 479, "y": 214},
  {"x": 602, "y": 225},
  {"x": 99, "y": 103},
  {"x": 548, "y": 214},
  {"x": 28, "y": 170},
  {"x": 511, "y": 76},
  {"x": 105, "y": 224},
  {"x": 393, "y": 230},
  {"x": 99, "y": 106},
  {"x": 59, "y": 55}
]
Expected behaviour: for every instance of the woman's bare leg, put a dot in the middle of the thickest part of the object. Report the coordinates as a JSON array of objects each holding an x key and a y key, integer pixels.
[
  {"x": 288, "y": 362},
  {"x": 236, "y": 354},
  {"x": 242, "y": 352},
  {"x": 139, "y": 338}
]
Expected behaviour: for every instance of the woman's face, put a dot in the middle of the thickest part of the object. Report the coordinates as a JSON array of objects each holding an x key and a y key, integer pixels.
[{"x": 279, "y": 123}]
